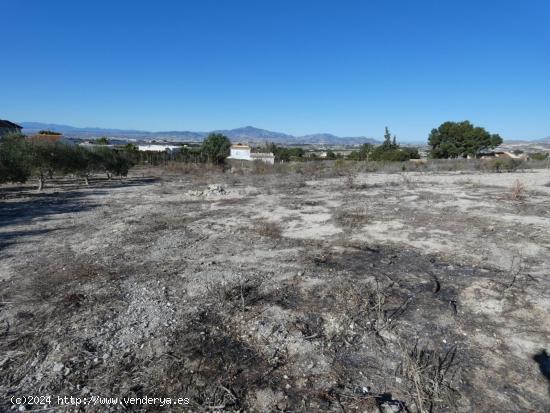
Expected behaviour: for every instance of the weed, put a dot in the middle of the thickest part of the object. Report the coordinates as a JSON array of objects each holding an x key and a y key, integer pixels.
[
  {"x": 431, "y": 375},
  {"x": 351, "y": 218},
  {"x": 268, "y": 229},
  {"x": 349, "y": 180},
  {"x": 518, "y": 191},
  {"x": 363, "y": 305}
]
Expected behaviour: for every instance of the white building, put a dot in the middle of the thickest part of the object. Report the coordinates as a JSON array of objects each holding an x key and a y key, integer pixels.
[
  {"x": 159, "y": 148},
  {"x": 239, "y": 151},
  {"x": 264, "y": 157},
  {"x": 242, "y": 152}
]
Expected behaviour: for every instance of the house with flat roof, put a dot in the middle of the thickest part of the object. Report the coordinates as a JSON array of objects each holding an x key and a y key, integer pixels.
[
  {"x": 244, "y": 153},
  {"x": 7, "y": 127}
]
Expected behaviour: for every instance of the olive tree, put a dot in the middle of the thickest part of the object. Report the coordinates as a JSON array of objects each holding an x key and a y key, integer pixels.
[{"x": 14, "y": 165}]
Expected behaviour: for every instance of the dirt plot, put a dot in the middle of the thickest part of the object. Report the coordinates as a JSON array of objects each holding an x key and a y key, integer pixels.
[{"x": 402, "y": 292}]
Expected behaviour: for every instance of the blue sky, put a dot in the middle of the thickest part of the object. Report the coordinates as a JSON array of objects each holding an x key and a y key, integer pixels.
[{"x": 344, "y": 67}]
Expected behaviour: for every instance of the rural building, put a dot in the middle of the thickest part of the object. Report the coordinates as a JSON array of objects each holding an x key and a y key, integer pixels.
[
  {"x": 243, "y": 152},
  {"x": 239, "y": 151},
  {"x": 264, "y": 157},
  {"x": 7, "y": 127},
  {"x": 159, "y": 148},
  {"x": 504, "y": 155}
]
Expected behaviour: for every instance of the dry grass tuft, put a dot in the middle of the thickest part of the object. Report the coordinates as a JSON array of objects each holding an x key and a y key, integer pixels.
[
  {"x": 518, "y": 192},
  {"x": 431, "y": 375},
  {"x": 349, "y": 180},
  {"x": 350, "y": 218},
  {"x": 268, "y": 229},
  {"x": 363, "y": 306}
]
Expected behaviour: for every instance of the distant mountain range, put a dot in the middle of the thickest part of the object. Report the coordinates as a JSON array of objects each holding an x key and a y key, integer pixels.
[{"x": 247, "y": 134}]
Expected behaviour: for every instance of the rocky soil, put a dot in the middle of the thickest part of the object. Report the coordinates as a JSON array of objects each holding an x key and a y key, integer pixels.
[{"x": 413, "y": 292}]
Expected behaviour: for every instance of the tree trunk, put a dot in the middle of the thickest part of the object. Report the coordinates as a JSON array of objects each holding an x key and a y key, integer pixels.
[
  {"x": 40, "y": 181},
  {"x": 108, "y": 176},
  {"x": 86, "y": 180}
]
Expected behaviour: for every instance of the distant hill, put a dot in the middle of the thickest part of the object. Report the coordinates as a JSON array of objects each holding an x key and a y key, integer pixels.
[
  {"x": 328, "y": 138},
  {"x": 255, "y": 134},
  {"x": 90, "y": 132},
  {"x": 245, "y": 134}
]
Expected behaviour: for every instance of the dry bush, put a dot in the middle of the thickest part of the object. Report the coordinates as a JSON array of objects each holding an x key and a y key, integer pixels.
[
  {"x": 349, "y": 180},
  {"x": 261, "y": 168},
  {"x": 363, "y": 305},
  {"x": 407, "y": 181},
  {"x": 268, "y": 229},
  {"x": 311, "y": 169},
  {"x": 518, "y": 191},
  {"x": 350, "y": 218},
  {"x": 239, "y": 293},
  {"x": 431, "y": 375},
  {"x": 468, "y": 182}
]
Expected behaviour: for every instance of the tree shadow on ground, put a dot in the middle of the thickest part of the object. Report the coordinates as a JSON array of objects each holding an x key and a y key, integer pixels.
[
  {"x": 55, "y": 186},
  {"x": 24, "y": 205},
  {"x": 543, "y": 360},
  {"x": 19, "y": 237}
]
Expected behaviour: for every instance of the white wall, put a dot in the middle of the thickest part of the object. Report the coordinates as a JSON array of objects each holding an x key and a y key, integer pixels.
[
  {"x": 240, "y": 153},
  {"x": 159, "y": 148}
]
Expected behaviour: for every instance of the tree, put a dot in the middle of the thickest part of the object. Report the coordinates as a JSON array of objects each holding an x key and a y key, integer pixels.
[
  {"x": 48, "y": 132},
  {"x": 121, "y": 164},
  {"x": 215, "y": 148},
  {"x": 388, "y": 150},
  {"x": 14, "y": 165},
  {"x": 389, "y": 141},
  {"x": 362, "y": 154},
  {"x": 42, "y": 159},
  {"x": 102, "y": 141},
  {"x": 111, "y": 161},
  {"x": 460, "y": 139},
  {"x": 365, "y": 151}
]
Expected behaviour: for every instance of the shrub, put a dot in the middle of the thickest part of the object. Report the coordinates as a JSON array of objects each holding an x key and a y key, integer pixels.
[
  {"x": 518, "y": 190},
  {"x": 504, "y": 165},
  {"x": 539, "y": 156}
]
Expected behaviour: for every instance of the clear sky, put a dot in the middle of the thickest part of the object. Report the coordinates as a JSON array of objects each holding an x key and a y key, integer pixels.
[{"x": 344, "y": 67}]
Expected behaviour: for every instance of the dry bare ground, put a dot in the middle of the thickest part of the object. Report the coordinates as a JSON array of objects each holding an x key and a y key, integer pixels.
[{"x": 411, "y": 292}]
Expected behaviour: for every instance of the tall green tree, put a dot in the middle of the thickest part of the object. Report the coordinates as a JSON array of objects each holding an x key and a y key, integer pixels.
[
  {"x": 387, "y": 138},
  {"x": 460, "y": 139},
  {"x": 215, "y": 148}
]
